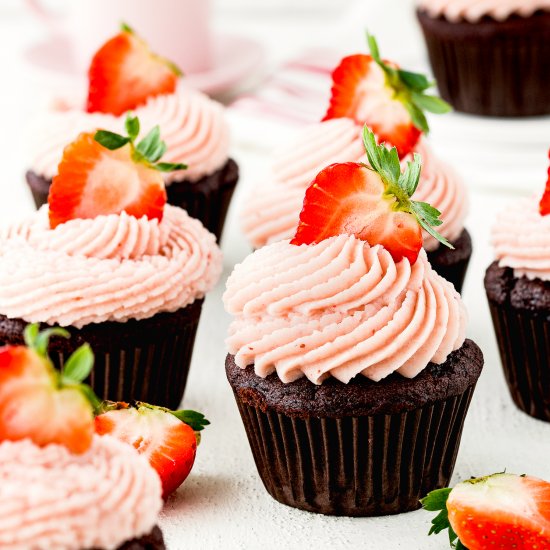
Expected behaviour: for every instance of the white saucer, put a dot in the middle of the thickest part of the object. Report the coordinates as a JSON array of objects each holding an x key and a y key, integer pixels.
[{"x": 234, "y": 59}]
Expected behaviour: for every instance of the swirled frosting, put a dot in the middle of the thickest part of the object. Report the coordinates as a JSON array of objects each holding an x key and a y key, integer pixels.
[
  {"x": 52, "y": 498},
  {"x": 192, "y": 125},
  {"x": 340, "y": 308},
  {"x": 110, "y": 268},
  {"x": 271, "y": 212},
  {"x": 474, "y": 10},
  {"x": 521, "y": 239}
]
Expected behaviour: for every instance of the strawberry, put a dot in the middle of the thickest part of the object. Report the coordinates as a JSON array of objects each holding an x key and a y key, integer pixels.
[
  {"x": 544, "y": 205},
  {"x": 500, "y": 511},
  {"x": 167, "y": 438},
  {"x": 40, "y": 403},
  {"x": 389, "y": 100},
  {"x": 371, "y": 203},
  {"x": 124, "y": 74},
  {"x": 106, "y": 173}
]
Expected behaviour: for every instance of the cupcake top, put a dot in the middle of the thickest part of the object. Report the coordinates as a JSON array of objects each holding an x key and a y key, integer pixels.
[
  {"x": 474, "y": 10},
  {"x": 52, "y": 498},
  {"x": 353, "y": 292},
  {"x": 521, "y": 239},
  {"x": 272, "y": 211},
  {"x": 192, "y": 125}
]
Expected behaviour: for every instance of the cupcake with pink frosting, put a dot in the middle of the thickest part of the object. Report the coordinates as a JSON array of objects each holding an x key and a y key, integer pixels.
[
  {"x": 115, "y": 265},
  {"x": 518, "y": 289},
  {"x": 347, "y": 351},
  {"x": 271, "y": 212},
  {"x": 193, "y": 127},
  {"x": 490, "y": 57}
]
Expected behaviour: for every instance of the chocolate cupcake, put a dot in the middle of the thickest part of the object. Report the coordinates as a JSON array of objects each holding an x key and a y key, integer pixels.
[
  {"x": 127, "y": 275},
  {"x": 192, "y": 125},
  {"x": 348, "y": 360},
  {"x": 489, "y": 58},
  {"x": 518, "y": 290}
]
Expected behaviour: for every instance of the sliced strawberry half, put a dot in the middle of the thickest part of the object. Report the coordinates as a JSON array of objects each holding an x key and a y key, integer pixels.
[
  {"x": 124, "y": 74},
  {"x": 105, "y": 173},
  {"x": 41, "y": 404},
  {"x": 373, "y": 204},
  {"x": 544, "y": 205},
  {"x": 166, "y": 438},
  {"x": 389, "y": 100},
  {"x": 501, "y": 511}
]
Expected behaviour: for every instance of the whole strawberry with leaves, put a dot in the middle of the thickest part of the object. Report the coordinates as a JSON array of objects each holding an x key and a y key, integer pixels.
[
  {"x": 388, "y": 99},
  {"x": 496, "y": 512},
  {"x": 41, "y": 403}
]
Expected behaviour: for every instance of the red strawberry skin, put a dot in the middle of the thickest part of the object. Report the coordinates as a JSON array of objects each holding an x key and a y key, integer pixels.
[
  {"x": 169, "y": 444},
  {"x": 348, "y": 198},
  {"x": 360, "y": 92},
  {"x": 501, "y": 512},
  {"x": 124, "y": 74},
  {"x": 93, "y": 181},
  {"x": 31, "y": 405},
  {"x": 544, "y": 206}
]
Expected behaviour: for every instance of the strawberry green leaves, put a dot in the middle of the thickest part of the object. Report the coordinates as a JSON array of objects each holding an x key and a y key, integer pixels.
[
  {"x": 402, "y": 185},
  {"x": 409, "y": 88},
  {"x": 149, "y": 150},
  {"x": 38, "y": 340},
  {"x": 196, "y": 420}
]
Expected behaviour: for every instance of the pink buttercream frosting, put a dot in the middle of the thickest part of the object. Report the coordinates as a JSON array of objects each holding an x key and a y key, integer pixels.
[
  {"x": 340, "y": 308},
  {"x": 272, "y": 210},
  {"x": 53, "y": 499},
  {"x": 192, "y": 125},
  {"x": 474, "y": 10},
  {"x": 521, "y": 239},
  {"x": 110, "y": 268}
]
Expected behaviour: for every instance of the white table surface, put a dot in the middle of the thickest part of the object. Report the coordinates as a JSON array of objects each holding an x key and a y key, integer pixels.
[{"x": 223, "y": 503}]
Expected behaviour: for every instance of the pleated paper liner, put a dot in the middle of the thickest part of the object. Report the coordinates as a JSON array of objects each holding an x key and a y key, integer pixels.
[
  {"x": 524, "y": 344},
  {"x": 207, "y": 199},
  {"x": 146, "y": 360},
  {"x": 453, "y": 264},
  {"x": 491, "y": 68}
]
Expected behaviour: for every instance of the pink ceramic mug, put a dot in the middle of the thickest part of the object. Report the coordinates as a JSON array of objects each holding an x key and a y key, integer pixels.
[{"x": 176, "y": 29}]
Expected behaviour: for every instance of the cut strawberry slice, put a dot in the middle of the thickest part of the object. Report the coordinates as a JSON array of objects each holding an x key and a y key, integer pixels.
[
  {"x": 544, "y": 205},
  {"x": 105, "y": 173},
  {"x": 371, "y": 203},
  {"x": 501, "y": 511},
  {"x": 166, "y": 438},
  {"x": 389, "y": 100},
  {"x": 124, "y": 74},
  {"x": 41, "y": 404}
]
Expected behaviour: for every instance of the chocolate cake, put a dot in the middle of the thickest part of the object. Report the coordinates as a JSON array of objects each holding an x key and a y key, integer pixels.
[
  {"x": 206, "y": 199},
  {"x": 490, "y": 67},
  {"x": 358, "y": 449},
  {"x": 153, "y": 541},
  {"x": 520, "y": 309}
]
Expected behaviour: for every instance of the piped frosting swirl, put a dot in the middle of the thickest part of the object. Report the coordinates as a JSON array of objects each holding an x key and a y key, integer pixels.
[
  {"x": 52, "y": 498},
  {"x": 474, "y": 10},
  {"x": 192, "y": 125},
  {"x": 340, "y": 308},
  {"x": 521, "y": 239},
  {"x": 110, "y": 268}
]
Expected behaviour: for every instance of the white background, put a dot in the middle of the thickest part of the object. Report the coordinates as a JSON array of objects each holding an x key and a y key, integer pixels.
[{"x": 223, "y": 504}]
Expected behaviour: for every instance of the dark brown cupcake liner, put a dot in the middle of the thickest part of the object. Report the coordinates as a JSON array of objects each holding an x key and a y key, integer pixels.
[
  {"x": 453, "y": 264},
  {"x": 491, "y": 68},
  {"x": 357, "y": 466},
  {"x": 207, "y": 199},
  {"x": 524, "y": 344},
  {"x": 146, "y": 360}
]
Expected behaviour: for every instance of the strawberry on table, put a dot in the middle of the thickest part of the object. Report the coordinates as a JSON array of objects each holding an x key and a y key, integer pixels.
[
  {"x": 371, "y": 202},
  {"x": 40, "y": 403},
  {"x": 391, "y": 101},
  {"x": 500, "y": 512},
  {"x": 124, "y": 74},
  {"x": 105, "y": 173},
  {"x": 167, "y": 438}
]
